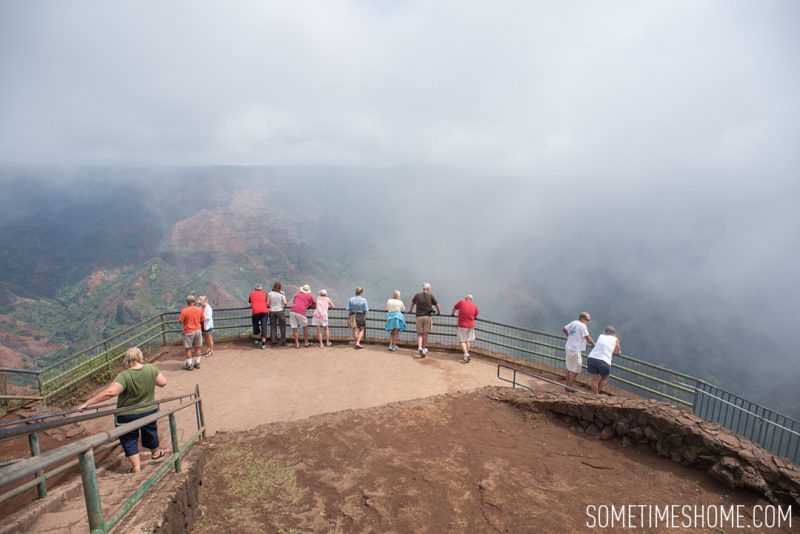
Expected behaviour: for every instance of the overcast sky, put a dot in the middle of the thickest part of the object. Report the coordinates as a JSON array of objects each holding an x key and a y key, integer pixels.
[{"x": 516, "y": 88}]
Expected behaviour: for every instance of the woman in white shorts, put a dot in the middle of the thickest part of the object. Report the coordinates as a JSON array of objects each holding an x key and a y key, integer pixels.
[{"x": 320, "y": 317}]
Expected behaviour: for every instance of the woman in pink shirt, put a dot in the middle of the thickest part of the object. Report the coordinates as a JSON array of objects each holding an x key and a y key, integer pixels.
[
  {"x": 303, "y": 300},
  {"x": 320, "y": 317}
]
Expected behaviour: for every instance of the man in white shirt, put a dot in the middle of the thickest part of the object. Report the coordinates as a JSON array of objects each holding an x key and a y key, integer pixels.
[
  {"x": 276, "y": 299},
  {"x": 577, "y": 337}
]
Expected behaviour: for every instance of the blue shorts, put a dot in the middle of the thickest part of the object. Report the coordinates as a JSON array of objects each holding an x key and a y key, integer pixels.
[
  {"x": 598, "y": 367},
  {"x": 130, "y": 441},
  {"x": 208, "y": 331}
]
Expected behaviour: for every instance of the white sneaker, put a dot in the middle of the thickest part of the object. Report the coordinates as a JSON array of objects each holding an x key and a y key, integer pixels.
[
  {"x": 466, "y": 357},
  {"x": 421, "y": 352},
  {"x": 425, "y": 352}
]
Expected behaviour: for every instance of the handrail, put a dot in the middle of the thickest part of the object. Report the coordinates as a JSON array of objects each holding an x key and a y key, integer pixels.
[
  {"x": 516, "y": 342},
  {"x": 514, "y": 382},
  {"x": 28, "y": 428},
  {"x": 84, "y": 450}
]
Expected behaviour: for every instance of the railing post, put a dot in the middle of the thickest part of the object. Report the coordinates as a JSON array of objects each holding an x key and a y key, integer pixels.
[
  {"x": 41, "y": 388},
  {"x": 33, "y": 441},
  {"x": 4, "y": 389},
  {"x": 173, "y": 434},
  {"x": 199, "y": 411},
  {"x": 694, "y": 398},
  {"x": 163, "y": 330},
  {"x": 91, "y": 492},
  {"x": 107, "y": 355}
]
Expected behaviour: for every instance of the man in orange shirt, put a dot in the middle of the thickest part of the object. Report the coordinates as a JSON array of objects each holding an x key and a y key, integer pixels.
[{"x": 191, "y": 319}]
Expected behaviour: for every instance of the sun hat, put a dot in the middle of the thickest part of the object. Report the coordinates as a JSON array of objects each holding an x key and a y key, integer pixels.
[{"x": 306, "y": 288}]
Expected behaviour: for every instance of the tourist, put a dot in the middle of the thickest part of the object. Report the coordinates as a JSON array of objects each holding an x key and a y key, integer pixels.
[
  {"x": 133, "y": 386},
  {"x": 357, "y": 308},
  {"x": 191, "y": 318},
  {"x": 303, "y": 300},
  {"x": 425, "y": 303},
  {"x": 208, "y": 324},
  {"x": 599, "y": 362},
  {"x": 277, "y": 302},
  {"x": 260, "y": 314},
  {"x": 467, "y": 312},
  {"x": 395, "y": 322},
  {"x": 577, "y": 333},
  {"x": 320, "y": 316}
]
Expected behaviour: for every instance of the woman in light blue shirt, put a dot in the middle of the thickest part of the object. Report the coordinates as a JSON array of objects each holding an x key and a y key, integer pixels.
[{"x": 357, "y": 308}]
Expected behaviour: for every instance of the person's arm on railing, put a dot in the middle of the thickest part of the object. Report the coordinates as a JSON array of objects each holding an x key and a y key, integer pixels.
[{"x": 113, "y": 389}]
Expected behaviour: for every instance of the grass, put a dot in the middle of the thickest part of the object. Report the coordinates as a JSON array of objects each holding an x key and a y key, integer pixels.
[{"x": 254, "y": 488}]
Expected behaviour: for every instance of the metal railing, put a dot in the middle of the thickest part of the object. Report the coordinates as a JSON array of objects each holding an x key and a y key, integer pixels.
[
  {"x": 541, "y": 350},
  {"x": 43, "y": 466}
]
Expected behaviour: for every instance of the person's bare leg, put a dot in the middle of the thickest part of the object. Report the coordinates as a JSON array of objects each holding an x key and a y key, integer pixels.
[
  {"x": 464, "y": 348},
  {"x": 603, "y": 383},
  {"x": 305, "y": 336},
  {"x": 136, "y": 463},
  {"x": 355, "y": 333},
  {"x": 570, "y": 378},
  {"x": 420, "y": 338},
  {"x": 327, "y": 336},
  {"x": 360, "y": 335},
  {"x": 319, "y": 335},
  {"x": 596, "y": 384},
  {"x": 425, "y": 340},
  {"x": 296, "y": 338}
]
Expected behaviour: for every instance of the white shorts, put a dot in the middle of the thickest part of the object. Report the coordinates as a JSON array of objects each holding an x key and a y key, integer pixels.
[
  {"x": 574, "y": 361},
  {"x": 297, "y": 319},
  {"x": 316, "y": 321},
  {"x": 466, "y": 335}
]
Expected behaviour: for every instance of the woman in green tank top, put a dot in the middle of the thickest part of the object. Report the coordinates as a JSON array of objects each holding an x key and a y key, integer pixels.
[{"x": 135, "y": 386}]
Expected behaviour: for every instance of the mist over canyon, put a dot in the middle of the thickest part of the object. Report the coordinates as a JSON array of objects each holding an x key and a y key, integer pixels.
[{"x": 695, "y": 276}]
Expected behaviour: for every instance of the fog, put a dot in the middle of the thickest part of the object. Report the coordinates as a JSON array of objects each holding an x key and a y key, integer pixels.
[{"x": 637, "y": 160}]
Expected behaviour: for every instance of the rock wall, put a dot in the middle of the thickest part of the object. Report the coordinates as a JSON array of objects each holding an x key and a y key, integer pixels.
[
  {"x": 672, "y": 433},
  {"x": 174, "y": 504}
]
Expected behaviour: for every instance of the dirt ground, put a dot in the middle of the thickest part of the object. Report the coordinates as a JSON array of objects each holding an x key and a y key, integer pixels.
[{"x": 451, "y": 463}]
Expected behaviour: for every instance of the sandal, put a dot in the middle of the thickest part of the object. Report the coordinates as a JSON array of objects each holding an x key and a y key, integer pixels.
[
  {"x": 159, "y": 455},
  {"x": 307, "y": 345}
]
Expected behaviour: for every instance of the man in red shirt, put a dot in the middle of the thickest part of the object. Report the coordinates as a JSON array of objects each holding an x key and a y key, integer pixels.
[
  {"x": 260, "y": 312},
  {"x": 467, "y": 312},
  {"x": 191, "y": 318}
]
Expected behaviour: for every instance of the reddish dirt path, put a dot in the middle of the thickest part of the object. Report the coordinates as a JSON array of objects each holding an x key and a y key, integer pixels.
[
  {"x": 243, "y": 386},
  {"x": 455, "y": 463}
]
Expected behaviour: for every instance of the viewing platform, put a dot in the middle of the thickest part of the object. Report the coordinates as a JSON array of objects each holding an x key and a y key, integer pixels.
[{"x": 354, "y": 440}]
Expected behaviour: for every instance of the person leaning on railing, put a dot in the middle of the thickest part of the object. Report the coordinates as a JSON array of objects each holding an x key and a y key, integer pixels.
[
  {"x": 135, "y": 385},
  {"x": 599, "y": 360}
]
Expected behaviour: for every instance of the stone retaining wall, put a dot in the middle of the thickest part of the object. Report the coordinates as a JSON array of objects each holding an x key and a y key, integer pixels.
[
  {"x": 672, "y": 433},
  {"x": 173, "y": 505}
]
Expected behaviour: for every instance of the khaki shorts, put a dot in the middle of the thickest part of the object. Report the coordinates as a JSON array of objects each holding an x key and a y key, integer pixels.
[
  {"x": 466, "y": 335},
  {"x": 424, "y": 324},
  {"x": 193, "y": 339},
  {"x": 574, "y": 361},
  {"x": 297, "y": 320},
  {"x": 351, "y": 320}
]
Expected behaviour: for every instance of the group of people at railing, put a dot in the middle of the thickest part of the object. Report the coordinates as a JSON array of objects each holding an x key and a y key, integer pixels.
[
  {"x": 269, "y": 319},
  {"x": 268, "y": 312}
]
